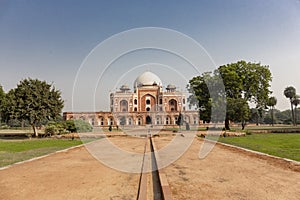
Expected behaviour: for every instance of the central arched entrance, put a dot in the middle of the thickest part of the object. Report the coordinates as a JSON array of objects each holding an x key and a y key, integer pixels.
[
  {"x": 173, "y": 105},
  {"x": 148, "y": 120},
  {"x": 123, "y": 106}
]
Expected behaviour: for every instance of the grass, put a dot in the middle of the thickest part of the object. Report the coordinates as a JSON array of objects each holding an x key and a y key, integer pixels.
[
  {"x": 12, "y": 151},
  {"x": 282, "y": 145},
  {"x": 267, "y": 127}
]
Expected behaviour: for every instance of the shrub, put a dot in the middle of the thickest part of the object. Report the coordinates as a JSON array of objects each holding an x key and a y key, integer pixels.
[
  {"x": 202, "y": 135},
  {"x": 53, "y": 128},
  {"x": 4, "y": 126},
  {"x": 248, "y": 132},
  {"x": 78, "y": 126},
  {"x": 215, "y": 128}
]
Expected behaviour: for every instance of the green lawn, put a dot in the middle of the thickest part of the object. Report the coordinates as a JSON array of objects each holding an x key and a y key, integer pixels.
[
  {"x": 12, "y": 151},
  {"x": 275, "y": 127},
  {"x": 281, "y": 145},
  {"x": 268, "y": 127}
]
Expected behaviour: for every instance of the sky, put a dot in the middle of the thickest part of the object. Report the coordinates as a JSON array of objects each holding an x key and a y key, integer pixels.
[{"x": 56, "y": 40}]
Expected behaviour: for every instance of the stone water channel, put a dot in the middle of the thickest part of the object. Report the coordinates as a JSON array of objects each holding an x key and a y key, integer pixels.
[{"x": 150, "y": 183}]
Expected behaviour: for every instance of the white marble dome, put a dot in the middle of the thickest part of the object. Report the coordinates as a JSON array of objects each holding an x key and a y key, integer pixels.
[{"x": 147, "y": 78}]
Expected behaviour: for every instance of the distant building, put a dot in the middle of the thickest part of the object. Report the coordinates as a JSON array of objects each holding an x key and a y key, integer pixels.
[{"x": 147, "y": 104}]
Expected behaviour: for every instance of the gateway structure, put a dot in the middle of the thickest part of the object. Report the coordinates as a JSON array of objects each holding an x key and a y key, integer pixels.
[{"x": 146, "y": 104}]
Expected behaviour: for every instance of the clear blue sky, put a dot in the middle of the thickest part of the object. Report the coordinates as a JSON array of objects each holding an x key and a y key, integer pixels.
[{"x": 50, "y": 39}]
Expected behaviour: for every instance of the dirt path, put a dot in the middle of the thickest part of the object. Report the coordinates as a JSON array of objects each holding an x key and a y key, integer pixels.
[
  {"x": 70, "y": 175},
  {"x": 225, "y": 174},
  {"x": 228, "y": 173}
]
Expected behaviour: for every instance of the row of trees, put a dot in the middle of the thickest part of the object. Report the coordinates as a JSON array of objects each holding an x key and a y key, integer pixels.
[
  {"x": 36, "y": 103},
  {"x": 272, "y": 115},
  {"x": 244, "y": 83},
  {"x": 279, "y": 117},
  {"x": 290, "y": 93}
]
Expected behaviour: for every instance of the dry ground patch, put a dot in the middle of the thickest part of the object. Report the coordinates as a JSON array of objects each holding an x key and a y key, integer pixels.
[
  {"x": 73, "y": 175},
  {"x": 228, "y": 173}
]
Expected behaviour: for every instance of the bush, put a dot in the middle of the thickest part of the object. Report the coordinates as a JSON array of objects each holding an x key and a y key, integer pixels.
[
  {"x": 4, "y": 126},
  {"x": 215, "y": 128},
  {"x": 248, "y": 132},
  {"x": 202, "y": 135},
  {"x": 53, "y": 128},
  {"x": 78, "y": 126}
]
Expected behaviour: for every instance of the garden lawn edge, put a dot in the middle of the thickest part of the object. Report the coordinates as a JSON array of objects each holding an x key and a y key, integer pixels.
[
  {"x": 40, "y": 157},
  {"x": 292, "y": 164}
]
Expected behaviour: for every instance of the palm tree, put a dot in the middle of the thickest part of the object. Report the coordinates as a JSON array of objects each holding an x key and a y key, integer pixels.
[
  {"x": 290, "y": 93},
  {"x": 296, "y": 102},
  {"x": 272, "y": 101}
]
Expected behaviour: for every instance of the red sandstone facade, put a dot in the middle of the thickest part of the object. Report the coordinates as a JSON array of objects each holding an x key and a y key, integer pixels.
[{"x": 147, "y": 104}]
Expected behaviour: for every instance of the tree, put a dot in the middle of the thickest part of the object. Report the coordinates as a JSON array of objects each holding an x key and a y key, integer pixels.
[
  {"x": 2, "y": 98},
  {"x": 244, "y": 82},
  {"x": 284, "y": 117},
  {"x": 256, "y": 115},
  {"x": 290, "y": 92},
  {"x": 2, "y": 94},
  {"x": 295, "y": 102},
  {"x": 200, "y": 96},
  {"x": 248, "y": 81},
  {"x": 35, "y": 101},
  {"x": 271, "y": 103},
  {"x": 207, "y": 94},
  {"x": 238, "y": 111}
]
